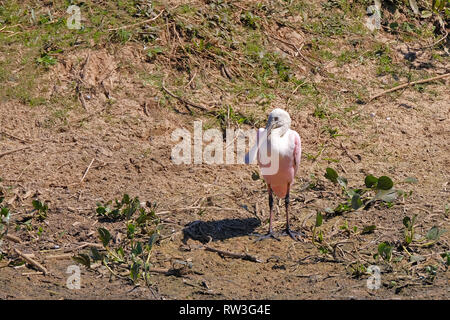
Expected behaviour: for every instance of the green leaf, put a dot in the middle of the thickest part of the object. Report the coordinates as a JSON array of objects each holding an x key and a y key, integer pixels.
[
  {"x": 137, "y": 249},
  {"x": 96, "y": 255},
  {"x": 255, "y": 175},
  {"x": 134, "y": 271},
  {"x": 120, "y": 252},
  {"x": 319, "y": 219},
  {"x": 368, "y": 229},
  {"x": 386, "y": 195},
  {"x": 407, "y": 222},
  {"x": 105, "y": 236},
  {"x": 370, "y": 181},
  {"x": 153, "y": 239},
  {"x": 83, "y": 259},
  {"x": 342, "y": 182},
  {"x": 331, "y": 175},
  {"x": 101, "y": 211},
  {"x": 426, "y": 14},
  {"x": 356, "y": 202},
  {"x": 125, "y": 199},
  {"x": 384, "y": 183},
  {"x": 408, "y": 239},
  {"x": 37, "y": 204},
  {"x": 446, "y": 257},
  {"x": 434, "y": 233},
  {"x": 385, "y": 251},
  {"x": 131, "y": 229}
]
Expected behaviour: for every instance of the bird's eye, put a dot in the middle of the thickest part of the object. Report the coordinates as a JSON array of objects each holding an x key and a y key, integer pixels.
[{"x": 276, "y": 118}]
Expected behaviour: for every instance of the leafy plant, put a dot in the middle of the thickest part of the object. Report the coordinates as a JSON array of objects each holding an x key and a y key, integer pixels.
[
  {"x": 385, "y": 251},
  {"x": 409, "y": 231},
  {"x": 4, "y": 219},
  {"x": 134, "y": 252},
  {"x": 446, "y": 257},
  {"x": 46, "y": 60},
  {"x": 41, "y": 209},
  {"x": 357, "y": 198},
  {"x": 122, "y": 209}
]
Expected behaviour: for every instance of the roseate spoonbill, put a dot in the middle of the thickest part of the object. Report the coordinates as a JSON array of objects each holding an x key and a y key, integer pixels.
[{"x": 278, "y": 150}]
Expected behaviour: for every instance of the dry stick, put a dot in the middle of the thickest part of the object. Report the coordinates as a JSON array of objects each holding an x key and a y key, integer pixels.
[
  {"x": 13, "y": 238},
  {"x": 185, "y": 102},
  {"x": 32, "y": 261},
  {"x": 12, "y": 151},
  {"x": 409, "y": 84},
  {"x": 13, "y": 137},
  {"x": 138, "y": 23},
  {"x": 87, "y": 170},
  {"x": 232, "y": 254},
  {"x": 60, "y": 256}
]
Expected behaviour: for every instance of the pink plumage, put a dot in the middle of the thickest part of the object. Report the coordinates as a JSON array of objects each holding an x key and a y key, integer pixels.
[{"x": 278, "y": 152}]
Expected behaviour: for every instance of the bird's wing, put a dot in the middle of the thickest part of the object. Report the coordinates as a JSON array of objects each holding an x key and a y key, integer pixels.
[
  {"x": 297, "y": 150},
  {"x": 251, "y": 156}
]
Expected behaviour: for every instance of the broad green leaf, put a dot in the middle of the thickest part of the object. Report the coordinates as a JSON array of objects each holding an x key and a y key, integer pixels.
[
  {"x": 83, "y": 259},
  {"x": 385, "y": 250},
  {"x": 36, "y": 204},
  {"x": 434, "y": 233},
  {"x": 386, "y": 195},
  {"x": 120, "y": 252},
  {"x": 96, "y": 255},
  {"x": 446, "y": 257},
  {"x": 368, "y": 229},
  {"x": 331, "y": 175},
  {"x": 105, "y": 236},
  {"x": 137, "y": 249},
  {"x": 407, "y": 222},
  {"x": 134, "y": 271},
  {"x": 153, "y": 239},
  {"x": 370, "y": 181},
  {"x": 125, "y": 199},
  {"x": 131, "y": 229},
  {"x": 384, "y": 183},
  {"x": 356, "y": 202}
]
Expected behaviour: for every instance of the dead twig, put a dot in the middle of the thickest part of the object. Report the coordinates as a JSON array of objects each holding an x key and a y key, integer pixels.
[
  {"x": 13, "y": 137},
  {"x": 13, "y": 238},
  {"x": 87, "y": 170},
  {"x": 138, "y": 23},
  {"x": 409, "y": 84},
  {"x": 60, "y": 256},
  {"x": 31, "y": 261},
  {"x": 185, "y": 102},
  {"x": 12, "y": 151}
]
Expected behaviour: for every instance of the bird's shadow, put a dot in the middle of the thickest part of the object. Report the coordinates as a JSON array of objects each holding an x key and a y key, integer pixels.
[{"x": 206, "y": 231}]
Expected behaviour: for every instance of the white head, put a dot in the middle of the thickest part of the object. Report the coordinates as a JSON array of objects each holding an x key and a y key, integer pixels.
[{"x": 278, "y": 119}]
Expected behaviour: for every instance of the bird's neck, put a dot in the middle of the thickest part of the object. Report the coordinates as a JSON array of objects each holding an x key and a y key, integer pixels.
[{"x": 279, "y": 132}]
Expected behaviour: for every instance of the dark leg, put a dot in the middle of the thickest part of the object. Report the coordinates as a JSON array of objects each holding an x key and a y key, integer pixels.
[
  {"x": 270, "y": 234},
  {"x": 289, "y": 232}
]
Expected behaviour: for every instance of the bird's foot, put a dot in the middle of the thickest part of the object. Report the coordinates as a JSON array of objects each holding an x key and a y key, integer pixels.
[
  {"x": 296, "y": 235},
  {"x": 271, "y": 234}
]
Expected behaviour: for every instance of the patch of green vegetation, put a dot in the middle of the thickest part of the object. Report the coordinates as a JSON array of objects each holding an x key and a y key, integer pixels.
[{"x": 134, "y": 253}]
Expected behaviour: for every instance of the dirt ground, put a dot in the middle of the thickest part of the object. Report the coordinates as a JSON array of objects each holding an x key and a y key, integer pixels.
[{"x": 404, "y": 134}]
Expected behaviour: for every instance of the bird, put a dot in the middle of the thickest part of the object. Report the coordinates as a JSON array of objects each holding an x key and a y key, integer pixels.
[{"x": 278, "y": 152}]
